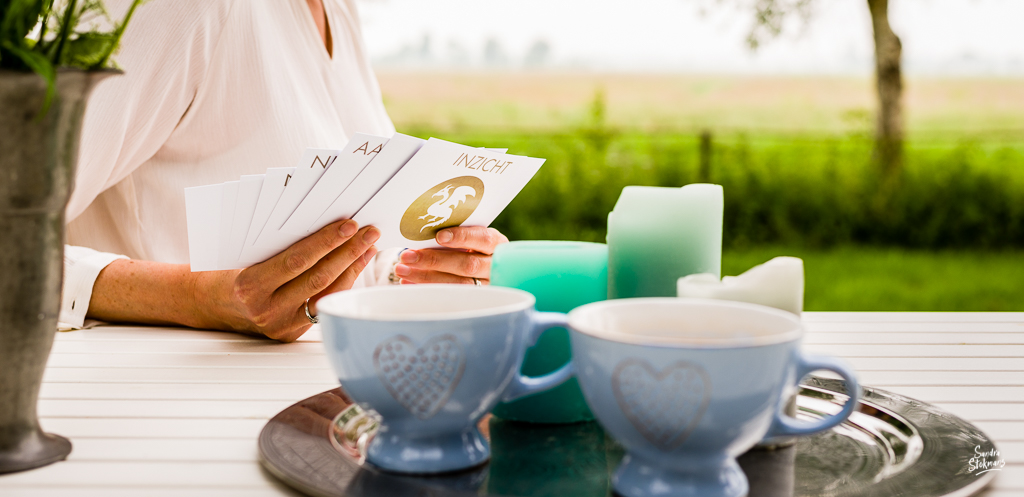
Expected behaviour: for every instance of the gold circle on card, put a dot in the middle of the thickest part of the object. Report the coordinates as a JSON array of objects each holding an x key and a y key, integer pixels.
[{"x": 446, "y": 204}]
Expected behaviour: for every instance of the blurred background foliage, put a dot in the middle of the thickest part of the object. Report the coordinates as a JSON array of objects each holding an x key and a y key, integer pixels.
[{"x": 797, "y": 168}]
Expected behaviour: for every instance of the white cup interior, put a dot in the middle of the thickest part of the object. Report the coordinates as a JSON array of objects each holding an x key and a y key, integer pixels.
[
  {"x": 686, "y": 322},
  {"x": 424, "y": 302}
]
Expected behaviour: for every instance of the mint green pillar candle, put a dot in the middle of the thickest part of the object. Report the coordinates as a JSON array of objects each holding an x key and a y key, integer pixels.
[
  {"x": 658, "y": 235},
  {"x": 562, "y": 276}
]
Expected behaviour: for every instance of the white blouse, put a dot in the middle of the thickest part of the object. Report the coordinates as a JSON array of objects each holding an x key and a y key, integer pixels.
[{"x": 212, "y": 90}]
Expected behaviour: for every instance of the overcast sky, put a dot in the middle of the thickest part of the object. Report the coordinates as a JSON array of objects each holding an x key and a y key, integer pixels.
[{"x": 948, "y": 37}]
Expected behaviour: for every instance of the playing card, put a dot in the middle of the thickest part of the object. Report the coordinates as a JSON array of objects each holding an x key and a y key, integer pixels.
[
  {"x": 359, "y": 152},
  {"x": 274, "y": 183},
  {"x": 445, "y": 185},
  {"x": 374, "y": 176},
  {"x": 245, "y": 207},
  {"x": 202, "y": 212},
  {"x": 313, "y": 165}
]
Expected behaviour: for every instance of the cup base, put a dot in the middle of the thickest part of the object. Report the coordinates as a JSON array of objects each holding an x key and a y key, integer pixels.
[
  {"x": 639, "y": 478},
  {"x": 442, "y": 453}
]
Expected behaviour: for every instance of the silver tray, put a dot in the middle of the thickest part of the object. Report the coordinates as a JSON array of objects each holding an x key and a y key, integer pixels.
[{"x": 892, "y": 446}]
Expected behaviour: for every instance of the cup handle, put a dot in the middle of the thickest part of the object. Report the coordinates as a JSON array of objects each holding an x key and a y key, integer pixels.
[
  {"x": 522, "y": 386},
  {"x": 785, "y": 426}
]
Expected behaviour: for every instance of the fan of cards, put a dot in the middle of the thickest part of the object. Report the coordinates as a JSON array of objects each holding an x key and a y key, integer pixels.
[{"x": 407, "y": 187}]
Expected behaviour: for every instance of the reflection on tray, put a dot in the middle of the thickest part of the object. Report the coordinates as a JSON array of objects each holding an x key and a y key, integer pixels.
[{"x": 885, "y": 449}]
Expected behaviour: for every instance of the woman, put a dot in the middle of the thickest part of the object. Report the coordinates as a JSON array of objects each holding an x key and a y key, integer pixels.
[{"x": 214, "y": 89}]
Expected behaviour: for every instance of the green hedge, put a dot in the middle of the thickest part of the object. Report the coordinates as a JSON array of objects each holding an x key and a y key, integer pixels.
[{"x": 805, "y": 191}]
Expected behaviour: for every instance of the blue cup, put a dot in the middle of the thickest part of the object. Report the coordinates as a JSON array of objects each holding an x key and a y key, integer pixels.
[
  {"x": 432, "y": 360},
  {"x": 687, "y": 385}
]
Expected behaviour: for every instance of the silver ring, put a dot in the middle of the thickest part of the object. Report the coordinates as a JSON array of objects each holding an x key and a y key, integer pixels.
[
  {"x": 477, "y": 282},
  {"x": 312, "y": 319}
]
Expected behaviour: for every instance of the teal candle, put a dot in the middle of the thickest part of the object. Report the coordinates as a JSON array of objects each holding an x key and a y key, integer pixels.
[
  {"x": 562, "y": 276},
  {"x": 658, "y": 235}
]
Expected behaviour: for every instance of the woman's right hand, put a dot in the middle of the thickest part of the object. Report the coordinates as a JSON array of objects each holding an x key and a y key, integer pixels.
[{"x": 269, "y": 298}]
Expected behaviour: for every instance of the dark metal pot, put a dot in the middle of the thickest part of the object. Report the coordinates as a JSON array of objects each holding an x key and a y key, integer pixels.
[{"x": 38, "y": 154}]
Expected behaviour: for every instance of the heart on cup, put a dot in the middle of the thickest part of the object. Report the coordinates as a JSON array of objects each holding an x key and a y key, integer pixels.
[
  {"x": 664, "y": 406},
  {"x": 420, "y": 377}
]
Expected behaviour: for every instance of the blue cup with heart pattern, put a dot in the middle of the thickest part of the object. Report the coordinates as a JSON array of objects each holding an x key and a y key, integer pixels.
[
  {"x": 687, "y": 385},
  {"x": 432, "y": 360}
]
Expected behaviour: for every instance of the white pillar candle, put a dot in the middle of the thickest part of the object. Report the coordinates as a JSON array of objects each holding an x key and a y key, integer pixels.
[
  {"x": 777, "y": 283},
  {"x": 656, "y": 235}
]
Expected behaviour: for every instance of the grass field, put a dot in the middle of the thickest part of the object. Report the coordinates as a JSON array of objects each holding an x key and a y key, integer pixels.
[
  {"x": 935, "y": 108},
  {"x": 894, "y": 279},
  {"x": 792, "y": 151}
]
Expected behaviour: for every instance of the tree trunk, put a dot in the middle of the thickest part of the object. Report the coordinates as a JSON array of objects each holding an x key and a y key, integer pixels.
[{"x": 889, "y": 82}]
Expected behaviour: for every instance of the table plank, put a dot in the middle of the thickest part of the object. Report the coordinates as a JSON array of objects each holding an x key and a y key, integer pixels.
[
  {"x": 1015, "y": 352},
  {"x": 181, "y": 391},
  {"x": 247, "y": 474},
  {"x": 912, "y": 327},
  {"x": 164, "y": 450},
  {"x": 915, "y": 317},
  {"x": 194, "y": 360},
  {"x": 935, "y": 363},
  {"x": 982, "y": 411},
  {"x": 199, "y": 347},
  {"x": 1010, "y": 478},
  {"x": 202, "y": 409},
  {"x": 111, "y": 427},
  {"x": 146, "y": 333},
  {"x": 240, "y": 375},
  {"x": 886, "y": 379},
  {"x": 902, "y": 338}
]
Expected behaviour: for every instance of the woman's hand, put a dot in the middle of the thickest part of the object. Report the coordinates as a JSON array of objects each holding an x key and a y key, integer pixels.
[
  {"x": 467, "y": 255},
  {"x": 267, "y": 299},
  {"x": 270, "y": 298}
]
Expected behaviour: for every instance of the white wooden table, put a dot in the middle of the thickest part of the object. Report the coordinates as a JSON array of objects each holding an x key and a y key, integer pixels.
[{"x": 159, "y": 411}]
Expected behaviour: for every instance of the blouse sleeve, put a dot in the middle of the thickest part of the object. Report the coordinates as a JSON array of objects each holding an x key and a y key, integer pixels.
[
  {"x": 164, "y": 54},
  {"x": 81, "y": 268}
]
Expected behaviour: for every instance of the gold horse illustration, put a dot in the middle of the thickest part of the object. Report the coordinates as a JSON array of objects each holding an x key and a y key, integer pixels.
[{"x": 442, "y": 210}]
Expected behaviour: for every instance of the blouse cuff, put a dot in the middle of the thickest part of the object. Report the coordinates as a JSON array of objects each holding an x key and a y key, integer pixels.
[{"x": 82, "y": 266}]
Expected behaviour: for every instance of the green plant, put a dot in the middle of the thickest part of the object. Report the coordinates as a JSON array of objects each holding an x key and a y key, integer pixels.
[{"x": 43, "y": 35}]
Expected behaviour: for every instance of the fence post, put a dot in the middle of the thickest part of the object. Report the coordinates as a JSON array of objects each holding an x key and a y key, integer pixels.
[{"x": 704, "y": 173}]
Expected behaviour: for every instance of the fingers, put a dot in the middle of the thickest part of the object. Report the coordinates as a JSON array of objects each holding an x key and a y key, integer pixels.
[
  {"x": 346, "y": 279},
  {"x": 325, "y": 272},
  {"x": 414, "y": 275},
  {"x": 468, "y": 264},
  {"x": 305, "y": 253},
  {"x": 477, "y": 238}
]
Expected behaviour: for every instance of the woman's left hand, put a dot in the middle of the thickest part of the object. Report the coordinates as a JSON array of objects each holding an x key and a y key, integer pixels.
[{"x": 467, "y": 255}]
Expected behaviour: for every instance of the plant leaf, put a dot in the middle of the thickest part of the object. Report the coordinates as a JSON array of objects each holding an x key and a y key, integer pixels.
[
  {"x": 19, "y": 17},
  {"x": 88, "y": 50},
  {"x": 41, "y": 65},
  {"x": 67, "y": 23}
]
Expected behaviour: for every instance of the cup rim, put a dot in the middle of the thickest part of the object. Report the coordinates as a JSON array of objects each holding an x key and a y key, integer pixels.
[
  {"x": 329, "y": 305},
  {"x": 795, "y": 333}
]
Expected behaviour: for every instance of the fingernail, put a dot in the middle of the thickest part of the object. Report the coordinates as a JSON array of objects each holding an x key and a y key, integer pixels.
[
  {"x": 402, "y": 270},
  {"x": 370, "y": 252},
  {"x": 410, "y": 256},
  {"x": 444, "y": 236},
  {"x": 348, "y": 228},
  {"x": 371, "y": 235}
]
